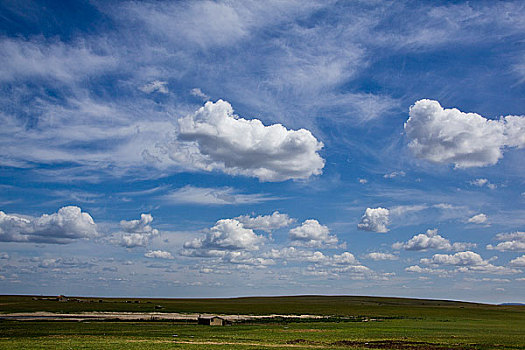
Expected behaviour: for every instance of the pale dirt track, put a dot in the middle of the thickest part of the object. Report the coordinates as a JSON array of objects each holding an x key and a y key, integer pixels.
[
  {"x": 238, "y": 344},
  {"x": 301, "y": 343},
  {"x": 139, "y": 316}
]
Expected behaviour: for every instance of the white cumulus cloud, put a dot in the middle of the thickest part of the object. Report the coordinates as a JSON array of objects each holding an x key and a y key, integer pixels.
[
  {"x": 337, "y": 264},
  {"x": 64, "y": 226},
  {"x": 322, "y": 265},
  {"x": 213, "y": 138},
  {"x": 226, "y": 235},
  {"x": 514, "y": 241},
  {"x": 478, "y": 219},
  {"x": 375, "y": 219},
  {"x": 466, "y": 262},
  {"x": 290, "y": 253},
  {"x": 479, "y": 182},
  {"x": 266, "y": 223},
  {"x": 377, "y": 256},
  {"x": 312, "y": 234},
  {"x": 244, "y": 258},
  {"x": 158, "y": 254},
  {"x": 419, "y": 269},
  {"x": 137, "y": 233},
  {"x": 482, "y": 182},
  {"x": 458, "y": 259},
  {"x": 431, "y": 240},
  {"x": 519, "y": 261},
  {"x": 344, "y": 258},
  {"x": 464, "y": 139},
  {"x": 61, "y": 263}
]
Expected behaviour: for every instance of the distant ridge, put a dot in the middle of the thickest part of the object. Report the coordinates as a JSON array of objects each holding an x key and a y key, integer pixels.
[
  {"x": 341, "y": 305},
  {"x": 517, "y": 304}
]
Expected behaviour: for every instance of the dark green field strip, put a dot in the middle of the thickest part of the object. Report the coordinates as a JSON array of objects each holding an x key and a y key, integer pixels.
[
  {"x": 320, "y": 305},
  {"x": 405, "y": 334}
]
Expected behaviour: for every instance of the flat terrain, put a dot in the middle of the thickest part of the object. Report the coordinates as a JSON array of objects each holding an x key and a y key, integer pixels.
[{"x": 352, "y": 323}]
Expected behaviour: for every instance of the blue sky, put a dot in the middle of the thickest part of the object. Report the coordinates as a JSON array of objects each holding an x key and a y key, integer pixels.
[{"x": 192, "y": 149}]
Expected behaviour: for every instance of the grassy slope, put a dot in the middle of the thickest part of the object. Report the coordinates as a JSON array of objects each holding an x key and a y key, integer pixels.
[
  {"x": 321, "y": 305},
  {"x": 452, "y": 324}
]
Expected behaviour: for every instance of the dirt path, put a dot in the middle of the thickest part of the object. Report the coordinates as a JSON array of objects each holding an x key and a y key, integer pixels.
[
  {"x": 301, "y": 343},
  {"x": 140, "y": 316},
  {"x": 234, "y": 343}
]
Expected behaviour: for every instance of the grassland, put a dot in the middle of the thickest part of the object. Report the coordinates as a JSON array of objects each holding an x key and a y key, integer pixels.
[{"x": 400, "y": 324}]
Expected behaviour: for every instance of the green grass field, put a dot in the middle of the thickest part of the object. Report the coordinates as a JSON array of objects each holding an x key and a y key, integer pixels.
[{"x": 403, "y": 324}]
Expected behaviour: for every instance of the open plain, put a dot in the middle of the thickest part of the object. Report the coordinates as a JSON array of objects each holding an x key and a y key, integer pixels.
[{"x": 302, "y": 322}]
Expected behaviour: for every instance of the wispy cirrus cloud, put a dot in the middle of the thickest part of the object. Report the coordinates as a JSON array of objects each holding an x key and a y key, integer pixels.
[
  {"x": 99, "y": 102},
  {"x": 52, "y": 60},
  {"x": 300, "y": 84},
  {"x": 480, "y": 182},
  {"x": 213, "y": 196},
  {"x": 198, "y": 93},
  {"x": 155, "y": 86}
]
